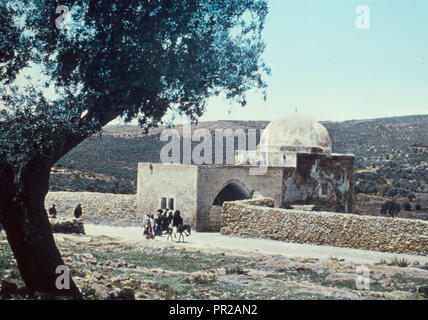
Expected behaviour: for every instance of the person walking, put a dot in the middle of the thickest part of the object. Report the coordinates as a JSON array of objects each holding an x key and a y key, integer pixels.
[
  {"x": 148, "y": 224},
  {"x": 177, "y": 222},
  {"x": 165, "y": 221}
]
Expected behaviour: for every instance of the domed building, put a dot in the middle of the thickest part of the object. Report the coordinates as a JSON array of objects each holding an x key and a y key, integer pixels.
[
  {"x": 296, "y": 133},
  {"x": 293, "y": 164}
]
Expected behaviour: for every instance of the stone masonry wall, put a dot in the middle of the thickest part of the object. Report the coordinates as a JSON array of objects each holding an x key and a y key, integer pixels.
[
  {"x": 248, "y": 218},
  {"x": 170, "y": 181},
  {"x": 216, "y": 218},
  {"x": 98, "y": 208}
]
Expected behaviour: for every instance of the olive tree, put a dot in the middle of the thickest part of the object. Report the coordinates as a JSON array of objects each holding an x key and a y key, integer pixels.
[{"x": 108, "y": 59}]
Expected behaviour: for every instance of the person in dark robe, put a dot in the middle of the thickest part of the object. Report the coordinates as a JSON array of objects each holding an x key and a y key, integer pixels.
[
  {"x": 78, "y": 211},
  {"x": 177, "y": 222},
  {"x": 158, "y": 222},
  {"x": 170, "y": 216},
  {"x": 165, "y": 221},
  {"x": 52, "y": 211}
]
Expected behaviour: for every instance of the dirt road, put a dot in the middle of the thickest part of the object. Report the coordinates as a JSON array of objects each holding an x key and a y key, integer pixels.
[{"x": 216, "y": 242}]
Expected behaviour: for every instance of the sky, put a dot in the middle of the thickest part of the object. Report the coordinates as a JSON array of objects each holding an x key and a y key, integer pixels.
[{"x": 325, "y": 67}]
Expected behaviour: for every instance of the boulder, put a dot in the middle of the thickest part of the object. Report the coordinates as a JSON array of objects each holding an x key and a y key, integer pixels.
[
  {"x": 125, "y": 293},
  {"x": 67, "y": 226}
]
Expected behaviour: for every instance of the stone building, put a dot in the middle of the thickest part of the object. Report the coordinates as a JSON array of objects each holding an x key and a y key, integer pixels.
[{"x": 293, "y": 164}]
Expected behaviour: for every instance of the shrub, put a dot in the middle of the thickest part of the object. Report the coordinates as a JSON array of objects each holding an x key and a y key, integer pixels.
[
  {"x": 391, "y": 208},
  {"x": 399, "y": 262},
  {"x": 406, "y": 206},
  {"x": 411, "y": 196},
  {"x": 389, "y": 191},
  {"x": 368, "y": 187},
  {"x": 418, "y": 207},
  {"x": 235, "y": 270}
]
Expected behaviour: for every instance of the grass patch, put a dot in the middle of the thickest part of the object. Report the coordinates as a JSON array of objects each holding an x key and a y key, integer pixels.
[
  {"x": 170, "y": 259},
  {"x": 235, "y": 270},
  {"x": 8, "y": 267},
  {"x": 395, "y": 262}
]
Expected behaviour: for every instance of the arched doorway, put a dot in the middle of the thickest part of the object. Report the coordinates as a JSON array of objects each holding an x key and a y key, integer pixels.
[{"x": 232, "y": 191}]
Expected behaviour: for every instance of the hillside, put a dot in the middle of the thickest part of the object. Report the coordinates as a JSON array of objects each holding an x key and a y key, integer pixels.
[{"x": 391, "y": 155}]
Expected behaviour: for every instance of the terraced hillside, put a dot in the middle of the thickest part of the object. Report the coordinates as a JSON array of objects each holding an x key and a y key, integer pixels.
[{"x": 391, "y": 153}]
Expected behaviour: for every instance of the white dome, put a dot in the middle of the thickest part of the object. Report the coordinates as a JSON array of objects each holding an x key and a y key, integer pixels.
[{"x": 296, "y": 133}]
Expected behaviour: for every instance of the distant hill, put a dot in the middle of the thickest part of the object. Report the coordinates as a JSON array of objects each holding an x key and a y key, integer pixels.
[{"x": 394, "y": 150}]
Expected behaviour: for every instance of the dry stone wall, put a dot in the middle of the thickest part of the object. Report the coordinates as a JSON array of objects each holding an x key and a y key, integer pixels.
[
  {"x": 251, "y": 218},
  {"x": 98, "y": 208},
  {"x": 67, "y": 226}
]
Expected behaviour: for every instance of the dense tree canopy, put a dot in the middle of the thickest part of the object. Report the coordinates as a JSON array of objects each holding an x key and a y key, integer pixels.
[
  {"x": 136, "y": 59},
  {"x": 128, "y": 58}
]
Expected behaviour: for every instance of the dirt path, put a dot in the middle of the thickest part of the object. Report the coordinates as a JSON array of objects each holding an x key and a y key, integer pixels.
[{"x": 215, "y": 242}]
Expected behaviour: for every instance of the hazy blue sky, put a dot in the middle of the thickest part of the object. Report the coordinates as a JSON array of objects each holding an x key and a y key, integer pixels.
[{"x": 327, "y": 68}]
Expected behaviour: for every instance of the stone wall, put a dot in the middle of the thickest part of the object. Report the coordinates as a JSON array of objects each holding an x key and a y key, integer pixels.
[
  {"x": 67, "y": 226},
  {"x": 98, "y": 208},
  {"x": 304, "y": 185},
  {"x": 216, "y": 218},
  {"x": 169, "y": 181},
  {"x": 212, "y": 179},
  {"x": 248, "y": 218}
]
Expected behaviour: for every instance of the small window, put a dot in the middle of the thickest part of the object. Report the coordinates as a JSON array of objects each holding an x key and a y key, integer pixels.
[
  {"x": 163, "y": 203},
  {"x": 171, "y": 203},
  {"x": 324, "y": 189}
]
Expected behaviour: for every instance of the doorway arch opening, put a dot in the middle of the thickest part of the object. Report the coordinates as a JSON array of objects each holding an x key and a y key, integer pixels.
[{"x": 231, "y": 192}]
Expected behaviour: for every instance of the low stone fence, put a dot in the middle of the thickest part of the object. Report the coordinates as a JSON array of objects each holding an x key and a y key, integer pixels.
[
  {"x": 98, "y": 208},
  {"x": 67, "y": 226},
  {"x": 249, "y": 218}
]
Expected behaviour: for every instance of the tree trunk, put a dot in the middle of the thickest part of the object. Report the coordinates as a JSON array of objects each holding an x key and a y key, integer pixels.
[
  {"x": 23, "y": 189},
  {"x": 24, "y": 218}
]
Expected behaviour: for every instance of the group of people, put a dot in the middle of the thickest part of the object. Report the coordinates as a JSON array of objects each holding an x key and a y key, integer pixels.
[
  {"x": 53, "y": 213},
  {"x": 77, "y": 211},
  {"x": 165, "y": 221}
]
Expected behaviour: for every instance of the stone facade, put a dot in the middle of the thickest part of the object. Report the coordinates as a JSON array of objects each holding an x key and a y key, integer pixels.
[
  {"x": 322, "y": 180},
  {"x": 316, "y": 179},
  {"x": 216, "y": 218},
  {"x": 163, "y": 182},
  {"x": 293, "y": 164},
  {"x": 194, "y": 189},
  {"x": 251, "y": 218}
]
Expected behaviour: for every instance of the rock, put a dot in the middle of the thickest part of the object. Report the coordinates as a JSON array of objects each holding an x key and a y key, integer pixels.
[
  {"x": 7, "y": 288},
  {"x": 88, "y": 292},
  {"x": 67, "y": 226},
  {"x": 125, "y": 293},
  {"x": 257, "y": 195},
  {"x": 339, "y": 277},
  {"x": 109, "y": 263},
  {"x": 423, "y": 291},
  {"x": 121, "y": 264},
  {"x": 88, "y": 256}
]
